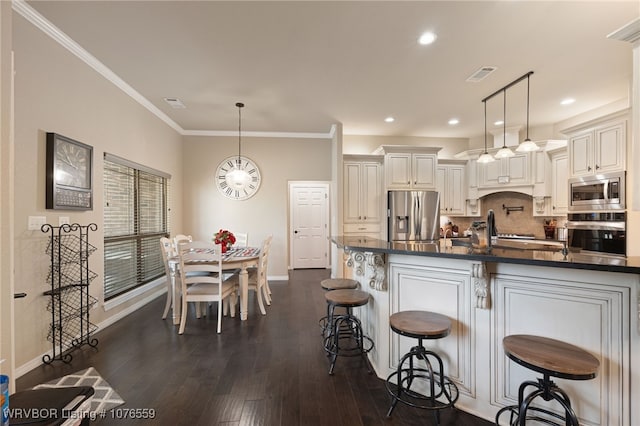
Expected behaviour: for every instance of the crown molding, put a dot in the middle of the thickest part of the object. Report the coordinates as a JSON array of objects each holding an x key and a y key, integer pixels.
[
  {"x": 40, "y": 22},
  {"x": 292, "y": 135},
  {"x": 629, "y": 32},
  {"x": 44, "y": 25}
]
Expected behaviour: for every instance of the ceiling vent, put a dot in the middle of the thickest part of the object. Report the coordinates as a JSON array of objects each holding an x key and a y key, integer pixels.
[
  {"x": 175, "y": 103},
  {"x": 481, "y": 74}
]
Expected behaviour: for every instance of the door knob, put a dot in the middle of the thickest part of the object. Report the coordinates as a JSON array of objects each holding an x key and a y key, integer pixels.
[{"x": 295, "y": 232}]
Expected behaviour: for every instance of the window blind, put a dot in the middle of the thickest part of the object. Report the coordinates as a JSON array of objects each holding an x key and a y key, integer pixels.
[{"x": 135, "y": 218}]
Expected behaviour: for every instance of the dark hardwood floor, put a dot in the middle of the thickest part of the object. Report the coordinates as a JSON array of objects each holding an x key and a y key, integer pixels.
[{"x": 268, "y": 370}]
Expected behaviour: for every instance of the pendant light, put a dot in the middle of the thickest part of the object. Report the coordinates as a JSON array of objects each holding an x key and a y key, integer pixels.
[
  {"x": 239, "y": 177},
  {"x": 504, "y": 152},
  {"x": 485, "y": 157},
  {"x": 527, "y": 145}
]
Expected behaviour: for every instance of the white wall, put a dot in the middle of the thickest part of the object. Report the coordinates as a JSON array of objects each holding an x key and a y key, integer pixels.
[
  {"x": 279, "y": 159},
  {"x": 56, "y": 92}
]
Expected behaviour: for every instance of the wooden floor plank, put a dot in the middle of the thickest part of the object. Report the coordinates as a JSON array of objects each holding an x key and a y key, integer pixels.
[{"x": 269, "y": 370}]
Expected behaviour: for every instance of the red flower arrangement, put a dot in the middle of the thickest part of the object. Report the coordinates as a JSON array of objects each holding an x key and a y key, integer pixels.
[{"x": 225, "y": 238}]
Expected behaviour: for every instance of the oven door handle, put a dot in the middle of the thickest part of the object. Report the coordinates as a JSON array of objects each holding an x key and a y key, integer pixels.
[{"x": 597, "y": 225}]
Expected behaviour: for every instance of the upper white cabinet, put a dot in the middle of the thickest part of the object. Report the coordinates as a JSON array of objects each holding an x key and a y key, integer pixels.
[
  {"x": 451, "y": 184},
  {"x": 560, "y": 186},
  {"x": 510, "y": 171},
  {"x": 409, "y": 167},
  {"x": 598, "y": 148},
  {"x": 363, "y": 189}
]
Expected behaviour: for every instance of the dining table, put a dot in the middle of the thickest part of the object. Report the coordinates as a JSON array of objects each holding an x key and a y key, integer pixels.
[{"x": 234, "y": 259}]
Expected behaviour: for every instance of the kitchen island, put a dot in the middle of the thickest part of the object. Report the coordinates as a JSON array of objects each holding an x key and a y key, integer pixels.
[{"x": 589, "y": 301}]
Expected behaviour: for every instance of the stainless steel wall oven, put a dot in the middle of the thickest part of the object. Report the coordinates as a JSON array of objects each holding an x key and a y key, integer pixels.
[{"x": 598, "y": 232}]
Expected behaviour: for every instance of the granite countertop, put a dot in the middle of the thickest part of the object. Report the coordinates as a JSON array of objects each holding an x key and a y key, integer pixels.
[{"x": 506, "y": 251}]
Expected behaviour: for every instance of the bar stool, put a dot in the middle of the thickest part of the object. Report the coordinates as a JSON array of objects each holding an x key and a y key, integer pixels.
[
  {"x": 331, "y": 284},
  {"x": 437, "y": 391},
  {"x": 550, "y": 358},
  {"x": 345, "y": 336}
]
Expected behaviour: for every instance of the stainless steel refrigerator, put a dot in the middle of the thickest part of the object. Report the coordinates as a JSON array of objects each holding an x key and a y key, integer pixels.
[{"x": 413, "y": 215}]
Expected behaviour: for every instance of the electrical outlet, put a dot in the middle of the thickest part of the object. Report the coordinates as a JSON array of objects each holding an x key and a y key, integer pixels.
[
  {"x": 36, "y": 222},
  {"x": 63, "y": 220}
]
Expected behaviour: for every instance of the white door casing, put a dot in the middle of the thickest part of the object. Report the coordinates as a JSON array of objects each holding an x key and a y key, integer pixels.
[{"x": 309, "y": 225}]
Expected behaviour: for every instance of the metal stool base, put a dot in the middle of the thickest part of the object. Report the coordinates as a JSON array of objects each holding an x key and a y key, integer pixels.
[
  {"x": 442, "y": 392},
  {"x": 346, "y": 328},
  {"x": 547, "y": 390}
]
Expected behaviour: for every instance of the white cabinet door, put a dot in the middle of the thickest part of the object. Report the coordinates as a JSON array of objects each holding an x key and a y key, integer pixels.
[
  {"x": 398, "y": 171},
  {"x": 600, "y": 150},
  {"x": 424, "y": 171},
  {"x": 351, "y": 192},
  {"x": 610, "y": 147},
  {"x": 518, "y": 169},
  {"x": 371, "y": 192},
  {"x": 581, "y": 149},
  {"x": 451, "y": 186},
  {"x": 560, "y": 188}
]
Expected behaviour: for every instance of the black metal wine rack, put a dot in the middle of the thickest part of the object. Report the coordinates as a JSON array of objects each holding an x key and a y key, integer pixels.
[{"x": 69, "y": 298}]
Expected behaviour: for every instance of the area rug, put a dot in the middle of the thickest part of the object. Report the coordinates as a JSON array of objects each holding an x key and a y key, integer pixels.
[{"x": 104, "y": 398}]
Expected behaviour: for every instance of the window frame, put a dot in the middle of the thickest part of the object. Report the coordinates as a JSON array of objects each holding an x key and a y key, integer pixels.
[{"x": 142, "y": 260}]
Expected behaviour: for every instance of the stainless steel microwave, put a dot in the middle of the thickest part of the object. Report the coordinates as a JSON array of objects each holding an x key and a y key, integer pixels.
[{"x": 597, "y": 193}]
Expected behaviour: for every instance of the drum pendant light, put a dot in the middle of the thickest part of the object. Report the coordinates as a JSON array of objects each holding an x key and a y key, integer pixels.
[
  {"x": 527, "y": 145},
  {"x": 485, "y": 157},
  {"x": 239, "y": 177},
  {"x": 504, "y": 152}
]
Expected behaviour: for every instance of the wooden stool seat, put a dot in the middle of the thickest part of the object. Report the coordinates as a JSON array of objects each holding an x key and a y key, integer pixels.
[
  {"x": 420, "y": 324},
  {"x": 339, "y": 284},
  {"x": 347, "y": 298},
  {"x": 550, "y": 356}
]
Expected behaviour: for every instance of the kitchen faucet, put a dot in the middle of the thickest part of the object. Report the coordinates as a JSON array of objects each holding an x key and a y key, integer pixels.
[{"x": 491, "y": 228}]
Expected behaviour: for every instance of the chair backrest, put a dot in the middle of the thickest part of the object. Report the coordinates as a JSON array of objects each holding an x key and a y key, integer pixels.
[
  {"x": 168, "y": 251},
  {"x": 242, "y": 239},
  {"x": 181, "y": 238},
  {"x": 263, "y": 263},
  {"x": 200, "y": 262}
]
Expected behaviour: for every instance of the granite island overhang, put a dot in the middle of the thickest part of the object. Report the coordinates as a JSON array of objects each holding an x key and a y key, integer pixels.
[{"x": 586, "y": 300}]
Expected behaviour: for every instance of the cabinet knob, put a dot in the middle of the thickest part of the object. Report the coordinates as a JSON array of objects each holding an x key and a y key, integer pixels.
[
  {"x": 360, "y": 217},
  {"x": 365, "y": 218},
  {"x": 589, "y": 168},
  {"x": 597, "y": 167}
]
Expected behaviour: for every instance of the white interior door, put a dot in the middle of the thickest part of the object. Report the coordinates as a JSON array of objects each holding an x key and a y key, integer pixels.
[{"x": 309, "y": 225}]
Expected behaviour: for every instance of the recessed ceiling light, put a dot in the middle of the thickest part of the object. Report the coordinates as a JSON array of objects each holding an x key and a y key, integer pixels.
[
  {"x": 427, "y": 38},
  {"x": 389, "y": 119},
  {"x": 567, "y": 101},
  {"x": 498, "y": 123},
  {"x": 454, "y": 121}
]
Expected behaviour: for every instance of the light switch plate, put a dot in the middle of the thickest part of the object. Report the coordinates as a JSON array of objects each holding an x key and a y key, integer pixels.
[{"x": 36, "y": 222}]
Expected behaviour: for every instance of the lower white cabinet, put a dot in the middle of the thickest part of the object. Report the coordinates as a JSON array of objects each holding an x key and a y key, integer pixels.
[{"x": 597, "y": 311}]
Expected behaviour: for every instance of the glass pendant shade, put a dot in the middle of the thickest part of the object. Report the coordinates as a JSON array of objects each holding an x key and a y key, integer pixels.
[
  {"x": 504, "y": 152},
  {"x": 485, "y": 157},
  {"x": 238, "y": 177},
  {"x": 527, "y": 145}
]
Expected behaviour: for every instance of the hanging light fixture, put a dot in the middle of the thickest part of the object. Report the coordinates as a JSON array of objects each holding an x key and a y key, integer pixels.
[
  {"x": 527, "y": 145},
  {"x": 504, "y": 152},
  {"x": 485, "y": 157},
  {"x": 238, "y": 177}
]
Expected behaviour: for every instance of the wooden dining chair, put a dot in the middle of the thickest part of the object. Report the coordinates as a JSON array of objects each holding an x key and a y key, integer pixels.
[
  {"x": 168, "y": 251},
  {"x": 242, "y": 239},
  {"x": 202, "y": 280},
  {"x": 257, "y": 279}
]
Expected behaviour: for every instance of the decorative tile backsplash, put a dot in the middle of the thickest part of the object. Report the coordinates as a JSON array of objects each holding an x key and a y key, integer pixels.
[{"x": 516, "y": 222}]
